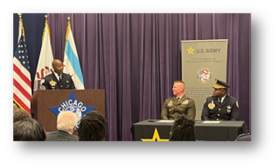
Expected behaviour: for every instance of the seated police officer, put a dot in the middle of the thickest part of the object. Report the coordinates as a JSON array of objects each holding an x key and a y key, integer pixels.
[
  {"x": 57, "y": 79},
  {"x": 220, "y": 106}
]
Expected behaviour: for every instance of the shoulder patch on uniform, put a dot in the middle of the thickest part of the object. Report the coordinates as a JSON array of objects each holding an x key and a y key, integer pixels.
[{"x": 237, "y": 104}]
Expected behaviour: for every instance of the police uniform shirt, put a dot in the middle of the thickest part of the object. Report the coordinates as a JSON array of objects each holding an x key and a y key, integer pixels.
[
  {"x": 52, "y": 81},
  {"x": 228, "y": 109},
  {"x": 58, "y": 77}
]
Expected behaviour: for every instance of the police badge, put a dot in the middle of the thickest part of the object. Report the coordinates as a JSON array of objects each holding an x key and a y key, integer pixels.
[
  {"x": 229, "y": 109},
  {"x": 211, "y": 105},
  {"x": 52, "y": 83}
]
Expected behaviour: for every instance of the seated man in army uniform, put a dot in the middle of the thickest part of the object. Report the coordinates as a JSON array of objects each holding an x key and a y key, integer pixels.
[
  {"x": 220, "y": 106},
  {"x": 178, "y": 104}
]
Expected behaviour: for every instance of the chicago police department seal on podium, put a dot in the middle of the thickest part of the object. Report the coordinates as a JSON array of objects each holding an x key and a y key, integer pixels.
[{"x": 76, "y": 106}]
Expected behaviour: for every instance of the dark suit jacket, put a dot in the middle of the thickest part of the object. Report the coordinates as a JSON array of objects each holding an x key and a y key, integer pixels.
[
  {"x": 60, "y": 136},
  {"x": 173, "y": 107},
  {"x": 52, "y": 83},
  {"x": 227, "y": 110}
]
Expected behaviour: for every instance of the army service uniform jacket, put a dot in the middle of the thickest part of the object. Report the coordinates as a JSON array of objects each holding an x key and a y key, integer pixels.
[
  {"x": 173, "y": 107},
  {"x": 52, "y": 83},
  {"x": 214, "y": 110}
]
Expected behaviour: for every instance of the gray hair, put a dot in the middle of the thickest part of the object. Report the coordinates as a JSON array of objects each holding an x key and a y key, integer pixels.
[{"x": 66, "y": 121}]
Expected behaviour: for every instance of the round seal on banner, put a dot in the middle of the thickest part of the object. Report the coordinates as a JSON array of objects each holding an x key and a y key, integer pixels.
[{"x": 203, "y": 75}]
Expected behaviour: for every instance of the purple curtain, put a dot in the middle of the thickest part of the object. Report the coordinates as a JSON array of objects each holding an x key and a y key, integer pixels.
[{"x": 136, "y": 58}]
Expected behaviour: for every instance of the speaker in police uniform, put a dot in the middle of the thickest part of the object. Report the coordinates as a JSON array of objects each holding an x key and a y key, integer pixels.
[
  {"x": 58, "y": 80},
  {"x": 178, "y": 104},
  {"x": 220, "y": 106}
]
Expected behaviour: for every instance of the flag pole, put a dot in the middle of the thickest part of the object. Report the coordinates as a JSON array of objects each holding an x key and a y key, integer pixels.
[
  {"x": 21, "y": 22},
  {"x": 67, "y": 33},
  {"x": 68, "y": 28},
  {"x": 46, "y": 26}
]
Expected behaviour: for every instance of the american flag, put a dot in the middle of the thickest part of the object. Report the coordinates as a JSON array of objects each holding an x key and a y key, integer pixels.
[
  {"x": 22, "y": 92},
  {"x": 205, "y": 71}
]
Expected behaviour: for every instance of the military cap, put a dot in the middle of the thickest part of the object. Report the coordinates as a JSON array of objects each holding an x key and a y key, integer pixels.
[{"x": 220, "y": 84}]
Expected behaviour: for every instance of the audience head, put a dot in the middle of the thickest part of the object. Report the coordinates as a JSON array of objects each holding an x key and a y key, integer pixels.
[
  {"x": 66, "y": 121},
  {"x": 92, "y": 127},
  {"x": 183, "y": 129},
  {"x": 20, "y": 114},
  {"x": 28, "y": 129}
]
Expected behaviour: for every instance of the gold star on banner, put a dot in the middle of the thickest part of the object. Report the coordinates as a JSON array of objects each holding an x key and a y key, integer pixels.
[
  {"x": 190, "y": 50},
  {"x": 155, "y": 137}
]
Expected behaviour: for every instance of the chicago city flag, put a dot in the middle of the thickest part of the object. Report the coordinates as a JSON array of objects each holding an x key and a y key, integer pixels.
[
  {"x": 22, "y": 92},
  {"x": 44, "y": 66},
  {"x": 71, "y": 60}
]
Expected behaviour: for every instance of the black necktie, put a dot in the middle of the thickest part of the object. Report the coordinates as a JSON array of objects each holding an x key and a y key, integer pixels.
[{"x": 219, "y": 100}]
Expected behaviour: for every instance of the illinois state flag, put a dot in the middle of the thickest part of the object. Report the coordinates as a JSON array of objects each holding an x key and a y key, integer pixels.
[
  {"x": 22, "y": 92},
  {"x": 44, "y": 66},
  {"x": 71, "y": 60}
]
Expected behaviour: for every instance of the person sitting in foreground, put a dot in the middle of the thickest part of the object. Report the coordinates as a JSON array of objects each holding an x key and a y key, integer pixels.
[
  {"x": 92, "y": 127},
  {"x": 20, "y": 114},
  {"x": 28, "y": 129},
  {"x": 183, "y": 129},
  {"x": 66, "y": 124}
]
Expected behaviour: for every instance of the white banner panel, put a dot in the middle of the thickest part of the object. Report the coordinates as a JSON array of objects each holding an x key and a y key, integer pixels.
[{"x": 202, "y": 62}]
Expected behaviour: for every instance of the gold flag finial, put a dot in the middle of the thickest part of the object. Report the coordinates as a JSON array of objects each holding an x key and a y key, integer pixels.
[
  {"x": 21, "y": 22},
  {"x": 68, "y": 21},
  {"x": 46, "y": 19},
  {"x": 67, "y": 33},
  {"x": 46, "y": 27},
  {"x": 68, "y": 28}
]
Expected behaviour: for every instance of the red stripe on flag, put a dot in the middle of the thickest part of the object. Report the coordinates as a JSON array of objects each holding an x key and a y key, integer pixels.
[
  {"x": 20, "y": 103},
  {"x": 23, "y": 77},
  {"x": 22, "y": 90}
]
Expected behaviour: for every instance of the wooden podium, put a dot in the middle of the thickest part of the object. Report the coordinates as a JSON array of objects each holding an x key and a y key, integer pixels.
[{"x": 43, "y": 99}]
